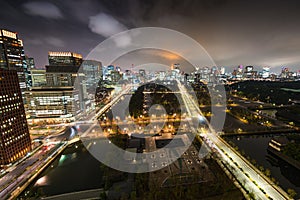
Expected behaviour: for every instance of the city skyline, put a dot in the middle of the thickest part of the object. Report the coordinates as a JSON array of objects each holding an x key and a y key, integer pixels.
[
  {"x": 149, "y": 99},
  {"x": 233, "y": 33}
]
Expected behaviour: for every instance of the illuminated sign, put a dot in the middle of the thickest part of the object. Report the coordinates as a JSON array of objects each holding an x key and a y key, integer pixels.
[
  {"x": 76, "y": 55},
  {"x": 59, "y": 53},
  {"x": 9, "y": 34},
  {"x": 68, "y": 54}
]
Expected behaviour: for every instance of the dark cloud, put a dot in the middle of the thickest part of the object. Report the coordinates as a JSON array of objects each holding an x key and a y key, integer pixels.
[
  {"x": 43, "y": 9},
  {"x": 233, "y": 32}
]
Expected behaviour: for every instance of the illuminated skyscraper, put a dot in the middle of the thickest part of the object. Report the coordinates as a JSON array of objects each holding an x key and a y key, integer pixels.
[
  {"x": 12, "y": 56},
  {"x": 14, "y": 135},
  {"x": 50, "y": 100},
  {"x": 93, "y": 74},
  {"x": 63, "y": 68},
  {"x": 222, "y": 70},
  {"x": 266, "y": 72},
  {"x": 30, "y": 62}
]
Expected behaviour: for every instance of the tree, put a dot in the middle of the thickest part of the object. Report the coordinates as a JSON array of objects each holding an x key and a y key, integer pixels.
[
  {"x": 133, "y": 195},
  {"x": 292, "y": 193},
  {"x": 261, "y": 168},
  {"x": 273, "y": 179},
  {"x": 103, "y": 195},
  {"x": 267, "y": 172}
]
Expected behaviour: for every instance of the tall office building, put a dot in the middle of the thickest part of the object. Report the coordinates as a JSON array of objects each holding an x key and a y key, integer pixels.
[
  {"x": 63, "y": 68},
  {"x": 30, "y": 62},
  {"x": 266, "y": 72},
  {"x": 222, "y": 71},
  {"x": 53, "y": 99},
  {"x": 14, "y": 135},
  {"x": 239, "y": 71},
  {"x": 93, "y": 74},
  {"x": 12, "y": 56},
  {"x": 30, "y": 66},
  {"x": 249, "y": 72}
]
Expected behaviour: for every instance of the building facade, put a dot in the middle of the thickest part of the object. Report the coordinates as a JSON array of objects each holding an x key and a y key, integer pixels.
[
  {"x": 62, "y": 75},
  {"x": 14, "y": 139},
  {"x": 38, "y": 77},
  {"x": 52, "y": 104},
  {"x": 68, "y": 76},
  {"x": 93, "y": 74}
]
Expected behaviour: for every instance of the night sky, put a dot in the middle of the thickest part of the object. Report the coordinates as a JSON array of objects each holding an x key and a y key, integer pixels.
[{"x": 259, "y": 33}]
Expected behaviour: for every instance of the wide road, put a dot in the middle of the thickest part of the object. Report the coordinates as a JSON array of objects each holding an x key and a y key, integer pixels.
[
  {"x": 92, "y": 119},
  {"x": 13, "y": 180},
  {"x": 20, "y": 173},
  {"x": 247, "y": 175}
]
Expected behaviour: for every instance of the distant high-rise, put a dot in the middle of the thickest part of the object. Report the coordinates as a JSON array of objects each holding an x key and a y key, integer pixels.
[
  {"x": 30, "y": 62},
  {"x": 64, "y": 58},
  {"x": 249, "y": 72},
  {"x": 222, "y": 71},
  {"x": 30, "y": 66},
  {"x": 142, "y": 72},
  {"x": 14, "y": 139},
  {"x": 266, "y": 72},
  {"x": 93, "y": 74},
  {"x": 162, "y": 75},
  {"x": 12, "y": 56},
  {"x": 249, "y": 69}
]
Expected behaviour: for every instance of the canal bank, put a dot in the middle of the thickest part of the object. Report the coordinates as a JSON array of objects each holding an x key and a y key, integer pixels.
[
  {"x": 255, "y": 148},
  {"x": 62, "y": 174},
  {"x": 75, "y": 169}
]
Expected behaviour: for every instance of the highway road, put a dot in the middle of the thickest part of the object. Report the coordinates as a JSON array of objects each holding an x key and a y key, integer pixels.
[
  {"x": 19, "y": 174},
  {"x": 247, "y": 175}
]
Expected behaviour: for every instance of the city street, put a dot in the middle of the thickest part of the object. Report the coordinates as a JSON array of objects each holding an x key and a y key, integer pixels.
[{"x": 21, "y": 173}]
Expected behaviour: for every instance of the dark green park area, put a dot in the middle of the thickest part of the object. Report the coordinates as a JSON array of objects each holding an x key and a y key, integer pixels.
[
  {"x": 284, "y": 96},
  {"x": 292, "y": 149},
  {"x": 267, "y": 91}
]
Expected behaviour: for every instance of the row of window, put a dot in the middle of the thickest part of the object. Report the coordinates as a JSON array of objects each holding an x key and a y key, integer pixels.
[
  {"x": 14, "y": 155},
  {"x": 9, "y": 107},
  {"x": 8, "y": 141}
]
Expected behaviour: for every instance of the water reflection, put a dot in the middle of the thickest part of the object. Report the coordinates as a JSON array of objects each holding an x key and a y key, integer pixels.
[
  {"x": 74, "y": 170},
  {"x": 255, "y": 147},
  {"x": 288, "y": 171},
  {"x": 42, "y": 181}
]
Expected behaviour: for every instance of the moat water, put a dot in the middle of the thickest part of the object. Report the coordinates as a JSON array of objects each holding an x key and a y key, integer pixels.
[{"x": 255, "y": 147}]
